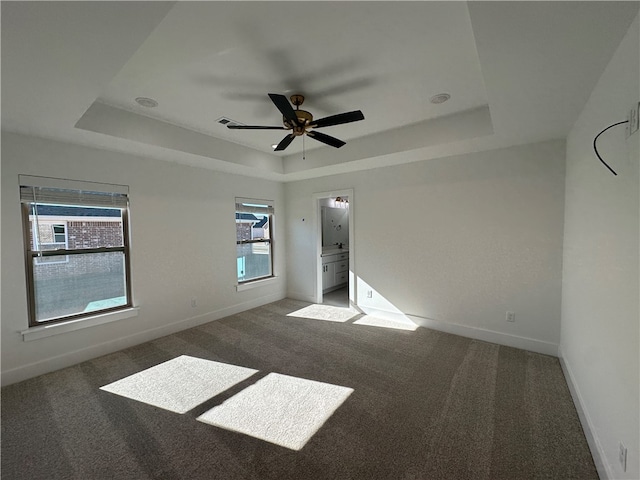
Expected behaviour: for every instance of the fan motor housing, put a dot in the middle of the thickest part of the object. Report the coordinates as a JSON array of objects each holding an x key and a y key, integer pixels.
[{"x": 304, "y": 117}]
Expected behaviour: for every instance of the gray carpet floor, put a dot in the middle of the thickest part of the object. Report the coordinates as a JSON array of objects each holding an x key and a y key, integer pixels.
[{"x": 425, "y": 405}]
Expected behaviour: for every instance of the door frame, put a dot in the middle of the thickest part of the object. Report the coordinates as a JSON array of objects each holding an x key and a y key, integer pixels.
[{"x": 317, "y": 197}]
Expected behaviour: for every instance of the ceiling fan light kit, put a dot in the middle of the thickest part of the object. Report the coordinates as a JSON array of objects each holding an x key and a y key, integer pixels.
[{"x": 301, "y": 122}]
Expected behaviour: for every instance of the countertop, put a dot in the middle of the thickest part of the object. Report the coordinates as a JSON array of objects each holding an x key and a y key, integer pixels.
[{"x": 333, "y": 251}]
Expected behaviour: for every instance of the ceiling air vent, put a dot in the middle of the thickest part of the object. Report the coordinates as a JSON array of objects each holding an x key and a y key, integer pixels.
[
  {"x": 146, "y": 102},
  {"x": 440, "y": 98},
  {"x": 227, "y": 121}
]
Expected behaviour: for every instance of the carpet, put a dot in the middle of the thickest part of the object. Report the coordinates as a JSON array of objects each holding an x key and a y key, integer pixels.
[
  {"x": 328, "y": 313},
  {"x": 424, "y": 405},
  {"x": 377, "y": 321},
  {"x": 181, "y": 384},
  {"x": 280, "y": 409}
]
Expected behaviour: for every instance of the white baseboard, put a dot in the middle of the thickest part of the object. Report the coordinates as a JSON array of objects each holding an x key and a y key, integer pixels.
[
  {"x": 68, "y": 359},
  {"x": 605, "y": 471},
  {"x": 303, "y": 297},
  {"x": 533, "y": 345}
]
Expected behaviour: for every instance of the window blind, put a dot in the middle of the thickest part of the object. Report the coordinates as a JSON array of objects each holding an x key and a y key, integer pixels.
[
  {"x": 249, "y": 205},
  {"x": 68, "y": 192}
]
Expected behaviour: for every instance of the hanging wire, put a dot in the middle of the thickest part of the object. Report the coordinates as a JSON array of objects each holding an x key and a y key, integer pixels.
[{"x": 595, "y": 148}]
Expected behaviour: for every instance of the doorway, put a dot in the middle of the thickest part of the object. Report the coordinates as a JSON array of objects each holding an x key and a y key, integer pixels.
[{"x": 334, "y": 252}]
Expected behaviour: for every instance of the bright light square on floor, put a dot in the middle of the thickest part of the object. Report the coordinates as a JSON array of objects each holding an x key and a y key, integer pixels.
[
  {"x": 279, "y": 409},
  {"x": 404, "y": 324},
  {"x": 181, "y": 384},
  {"x": 327, "y": 313}
]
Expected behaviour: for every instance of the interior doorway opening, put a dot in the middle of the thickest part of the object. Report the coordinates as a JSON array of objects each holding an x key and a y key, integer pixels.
[
  {"x": 335, "y": 249},
  {"x": 337, "y": 298}
]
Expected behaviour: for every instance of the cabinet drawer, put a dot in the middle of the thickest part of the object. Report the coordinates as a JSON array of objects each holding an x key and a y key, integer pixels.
[
  {"x": 342, "y": 266},
  {"x": 329, "y": 259},
  {"x": 342, "y": 256},
  {"x": 342, "y": 277}
]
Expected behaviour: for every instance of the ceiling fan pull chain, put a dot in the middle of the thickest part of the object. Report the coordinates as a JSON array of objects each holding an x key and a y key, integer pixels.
[{"x": 304, "y": 155}]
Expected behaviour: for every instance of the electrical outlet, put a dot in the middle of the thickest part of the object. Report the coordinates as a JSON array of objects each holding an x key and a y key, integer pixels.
[
  {"x": 511, "y": 317},
  {"x": 622, "y": 457},
  {"x": 634, "y": 113},
  {"x": 194, "y": 302}
]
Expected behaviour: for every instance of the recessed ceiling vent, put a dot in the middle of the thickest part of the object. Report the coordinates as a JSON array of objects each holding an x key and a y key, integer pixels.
[
  {"x": 227, "y": 121},
  {"x": 146, "y": 102},
  {"x": 440, "y": 98}
]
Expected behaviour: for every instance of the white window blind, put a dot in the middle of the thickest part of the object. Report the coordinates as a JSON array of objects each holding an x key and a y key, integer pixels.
[
  {"x": 249, "y": 205},
  {"x": 68, "y": 192}
]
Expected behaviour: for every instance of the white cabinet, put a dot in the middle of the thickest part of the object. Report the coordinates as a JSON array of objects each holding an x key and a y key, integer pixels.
[
  {"x": 335, "y": 271},
  {"x": 341, "y": 267},
  {"x": 328, "y": 275}
]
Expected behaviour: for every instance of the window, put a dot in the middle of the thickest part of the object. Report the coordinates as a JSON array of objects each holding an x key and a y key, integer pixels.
[
  {"x": 254, "y": 239},
  {"x": 76, "y": 248},
  {"x": 50, "y": 236},
  {"x": 59, "y": 235}
]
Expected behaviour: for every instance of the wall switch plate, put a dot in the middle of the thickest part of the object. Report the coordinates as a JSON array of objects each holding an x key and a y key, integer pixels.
[
  {"x": 511, "y": 316},
  {"x": 634, "y": 113},
  {"x": 622, "y": 457},
  {"x": 194, "y": 302},
  {"x": 369, "y": 294}
]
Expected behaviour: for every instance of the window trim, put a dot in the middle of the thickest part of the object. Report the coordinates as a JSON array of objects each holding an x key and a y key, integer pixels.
[
  {"x": 99, "y": 318},
  {"x": 256, "y": 283},
  {"x": 30, "y": 254}
]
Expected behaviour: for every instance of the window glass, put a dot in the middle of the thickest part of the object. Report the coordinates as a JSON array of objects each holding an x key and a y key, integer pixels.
[
  {"x": 254, "y": 256},
  {"x": 59, "y": 234},
  {"x": 76, "y": 284}
]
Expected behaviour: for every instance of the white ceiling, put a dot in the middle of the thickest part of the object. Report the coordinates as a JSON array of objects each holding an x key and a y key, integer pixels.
[{"x": 517, "y": 72}]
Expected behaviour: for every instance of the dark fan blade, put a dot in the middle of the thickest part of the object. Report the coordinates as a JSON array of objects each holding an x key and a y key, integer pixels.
[
  {"x": 285, "y": 107},
  {"x": 253, "y": 127},
  {"x": 285, "y": 142},
  {"x": 338, "y": 119},
  {"x": 321, "y": 137}
]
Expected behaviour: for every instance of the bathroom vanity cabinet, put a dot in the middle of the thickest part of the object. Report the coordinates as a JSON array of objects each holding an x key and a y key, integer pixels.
[{"x": 335, "y": 271}]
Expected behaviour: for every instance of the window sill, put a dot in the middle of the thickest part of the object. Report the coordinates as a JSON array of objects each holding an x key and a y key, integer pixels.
[
  {"x": 258, "y": 283},
  {"x": 35, "y": 333}
]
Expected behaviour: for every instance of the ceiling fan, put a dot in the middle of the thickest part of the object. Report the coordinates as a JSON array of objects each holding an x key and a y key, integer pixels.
[{"x": 301, "y": 122}]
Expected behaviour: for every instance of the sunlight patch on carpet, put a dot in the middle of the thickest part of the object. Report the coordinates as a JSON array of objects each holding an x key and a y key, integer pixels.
[
  {"x": 398, "y": 324},
  {"x": 327, "y": 313},
  {"x": 279, "y": 409},
  {"x": 180, "y": 384}
]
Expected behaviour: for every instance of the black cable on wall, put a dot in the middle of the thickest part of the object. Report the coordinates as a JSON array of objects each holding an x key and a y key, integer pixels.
[{"x": 595, "y": 148}]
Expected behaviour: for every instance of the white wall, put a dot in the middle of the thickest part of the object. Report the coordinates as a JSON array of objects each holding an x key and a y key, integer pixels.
[
  {"x": 453, "y": 242},
  {"x": 182, "y": 241},
  {"x": 600, "y": 301}
]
